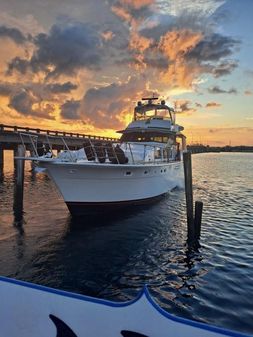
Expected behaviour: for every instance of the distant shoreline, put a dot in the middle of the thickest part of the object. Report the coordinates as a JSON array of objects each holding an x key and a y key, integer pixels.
[{"x": 199, "y": 148}]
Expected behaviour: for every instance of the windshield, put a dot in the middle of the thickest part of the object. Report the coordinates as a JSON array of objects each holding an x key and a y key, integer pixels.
[
  {"x": 155, "y": 113},
  {"x": 146, "y": 137}
]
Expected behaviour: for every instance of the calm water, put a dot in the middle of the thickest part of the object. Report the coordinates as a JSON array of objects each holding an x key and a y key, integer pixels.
[{"x": 113, "y": 258}]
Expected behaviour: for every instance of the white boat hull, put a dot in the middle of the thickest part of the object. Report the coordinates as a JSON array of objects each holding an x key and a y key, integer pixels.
[
  {"x": 30, "y": 310},
  {"x": 92, "y": 184}
]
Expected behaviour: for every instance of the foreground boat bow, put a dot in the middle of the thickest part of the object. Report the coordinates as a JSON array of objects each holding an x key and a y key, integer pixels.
[{"x": 29, "y": 310}]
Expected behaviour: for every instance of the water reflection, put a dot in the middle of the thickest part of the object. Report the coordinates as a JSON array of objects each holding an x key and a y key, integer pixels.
[
  {"x": 18, "y": 204},
  {"x": 20, "y": 239}
]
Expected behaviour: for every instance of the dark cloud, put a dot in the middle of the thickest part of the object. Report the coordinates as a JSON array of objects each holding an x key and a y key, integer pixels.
[
  {"x": 12, "y": 33},
  {"x": 105, "y": 106},
  {"x": 213, "y": 48},
  {"x": 70, "y": 110},
  {"x": 39, "y": 99},
  {"x": 23, "y": 101},
  {"x": 213, "y": 105},
  {"x": 198, "y": 105},
  {"x": 157, "y": 62},
  {"x": 19, "y": 64},
  {"x": 218, "y": 90},
  {"x": 140, "y": 13},
  {"x": 61, "y": 88},
  {"x": 224, "y": 68},
  {"x": 65, "y": 49},
  {"x": 184, "y": 106},
  {"x": 42, "y": 90},
  {"x": 5, "y": 89}
]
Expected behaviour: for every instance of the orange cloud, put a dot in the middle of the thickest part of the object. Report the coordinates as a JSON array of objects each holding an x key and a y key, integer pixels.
[
  {"x": 137, "y": 4},
  {"x": 122, "y": 13},
  {"x": 138, "y": 42},
  {"x": 175, "y": 45},
  {"x": 107, "y": 35}
]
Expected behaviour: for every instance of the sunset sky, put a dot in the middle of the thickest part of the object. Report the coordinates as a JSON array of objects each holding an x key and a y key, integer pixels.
[{"x": 82, "y": 65}]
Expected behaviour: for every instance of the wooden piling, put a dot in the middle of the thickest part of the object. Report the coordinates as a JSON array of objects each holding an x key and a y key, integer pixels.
[
  {"x": 189, "y": 195},
  {"x": 1, "y": 160},
  {"x": 20, "y": 165},
  {"x": 198, "y": 218},
  {"x": 19, "y": 181}
]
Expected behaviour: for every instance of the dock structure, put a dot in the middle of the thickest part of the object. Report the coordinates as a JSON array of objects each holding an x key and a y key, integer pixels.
[{"x": 10, "y": 139}]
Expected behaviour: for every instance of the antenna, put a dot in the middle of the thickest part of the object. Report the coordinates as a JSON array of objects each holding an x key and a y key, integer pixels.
[{"x": 149, "y": 98}]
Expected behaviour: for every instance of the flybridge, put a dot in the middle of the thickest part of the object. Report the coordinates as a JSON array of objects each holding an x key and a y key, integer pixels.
[{"x": 153, "y": 110}]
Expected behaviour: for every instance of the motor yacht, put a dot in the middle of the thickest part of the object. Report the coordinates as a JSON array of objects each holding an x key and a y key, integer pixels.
[{"x": 145, "y": 163}]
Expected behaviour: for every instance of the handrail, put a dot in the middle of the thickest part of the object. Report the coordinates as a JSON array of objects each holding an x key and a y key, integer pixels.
[
  {"x": 66, "y": 146},
  {"x": 12, "y": 128},
  {"x": 130, "y": 149},
  {"x": 34, "y": 138},
  {"x": 33, "y": 143}
]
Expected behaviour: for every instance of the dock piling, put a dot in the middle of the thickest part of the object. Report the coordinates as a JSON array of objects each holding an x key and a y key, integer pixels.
[
  {"x": 193, "y": 223},
  {"x": 189, "y": 195},
  {"x": 19, "y": 182},
  {"x": 1, "y": 160},
  {"x": 198, "y": 218},
  {"x": 20, "y": 165}
]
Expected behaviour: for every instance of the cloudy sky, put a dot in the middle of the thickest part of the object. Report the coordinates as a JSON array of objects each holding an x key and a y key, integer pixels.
[{"x": 82, "y": 65}]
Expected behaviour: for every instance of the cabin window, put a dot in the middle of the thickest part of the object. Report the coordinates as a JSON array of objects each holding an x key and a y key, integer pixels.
[
  {"x": 128, "y": 173},
  {"x": 145, "y": 137},
  {"x": 158, "y": 139}
]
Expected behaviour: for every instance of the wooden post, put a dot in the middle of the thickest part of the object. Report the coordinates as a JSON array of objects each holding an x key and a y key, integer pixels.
[
  {"x": 189, "y": 195},
  {"x": 20, "y": 166},
  {"x": 198, "y": 218},
  {"x": 1, "y": 161},
  {"x": 19, "y": 182}
]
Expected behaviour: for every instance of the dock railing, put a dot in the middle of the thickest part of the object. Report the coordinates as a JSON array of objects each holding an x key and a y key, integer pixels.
[{"x": 18, "y": 129}]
